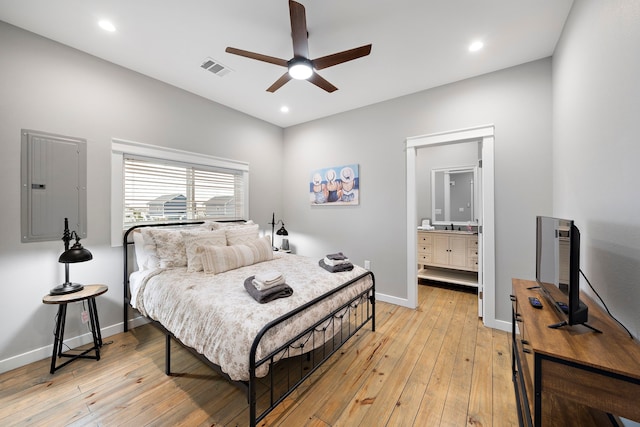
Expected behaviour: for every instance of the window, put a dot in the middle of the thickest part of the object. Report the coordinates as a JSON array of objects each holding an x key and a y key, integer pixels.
[{"x": 154, "y": 184}]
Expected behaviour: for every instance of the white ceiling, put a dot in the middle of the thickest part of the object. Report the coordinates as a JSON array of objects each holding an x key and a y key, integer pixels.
[{"x": 417, "y": 44}]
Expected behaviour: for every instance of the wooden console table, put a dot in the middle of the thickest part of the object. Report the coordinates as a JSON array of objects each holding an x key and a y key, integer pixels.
[{"x": 571, "y": 376}]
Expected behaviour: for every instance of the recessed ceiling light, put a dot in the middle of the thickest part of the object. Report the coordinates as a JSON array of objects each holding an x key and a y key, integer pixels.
[
  {"x": 107, "y": 25},
  {"x": 476, "y": 46},
  {"x": 284, "y": 109}
]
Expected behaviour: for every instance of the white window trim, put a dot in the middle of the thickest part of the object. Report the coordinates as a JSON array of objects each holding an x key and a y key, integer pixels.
[{"x": 120, "y": 147}]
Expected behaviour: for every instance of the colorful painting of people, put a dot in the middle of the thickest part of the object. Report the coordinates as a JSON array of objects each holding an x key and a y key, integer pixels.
[{"x": 335, "y": 185}]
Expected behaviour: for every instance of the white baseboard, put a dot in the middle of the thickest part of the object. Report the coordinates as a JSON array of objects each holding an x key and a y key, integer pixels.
[
  {"x": 137, "y": 321},
  {"x": 73, "y": 342},
  {"x": 403, "y": 302},
  {"x": 499, "y": 324}
]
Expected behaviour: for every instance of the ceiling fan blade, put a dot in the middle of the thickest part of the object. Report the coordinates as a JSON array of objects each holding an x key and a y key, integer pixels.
[
  {"x": 279, "y": 83},
  {"x": 322, "y": 83},
  {"x": 258, "y": 56},
  {"x": 299, "y": 29},
  {"x": 340, "y": 57}
]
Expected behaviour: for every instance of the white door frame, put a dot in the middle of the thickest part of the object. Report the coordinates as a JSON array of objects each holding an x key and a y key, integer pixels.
[{"x": 486, "y": 284}]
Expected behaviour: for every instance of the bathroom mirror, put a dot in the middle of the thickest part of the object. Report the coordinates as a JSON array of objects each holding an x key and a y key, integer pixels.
[{"x": 454, "y": 195}]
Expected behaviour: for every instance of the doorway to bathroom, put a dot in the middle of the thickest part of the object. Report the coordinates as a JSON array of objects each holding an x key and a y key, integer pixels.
[{"x": 482, "y": 139}]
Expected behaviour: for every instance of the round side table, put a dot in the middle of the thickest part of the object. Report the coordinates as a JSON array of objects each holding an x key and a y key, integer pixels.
[{"x": 89, "y": 293}]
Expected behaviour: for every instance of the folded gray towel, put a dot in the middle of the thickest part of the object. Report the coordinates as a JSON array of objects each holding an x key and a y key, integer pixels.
[
  {"x": 267, "y": 295},
  {"x": 336, "y": 268},
  {"x": 337, "y": 256}
]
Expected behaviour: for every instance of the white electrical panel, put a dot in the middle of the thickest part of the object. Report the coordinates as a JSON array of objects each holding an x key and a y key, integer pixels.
[{"x": 54, "y": 185}]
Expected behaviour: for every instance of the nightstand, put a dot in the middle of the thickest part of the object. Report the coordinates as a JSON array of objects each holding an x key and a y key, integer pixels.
[{"x": 89, "y": 293}]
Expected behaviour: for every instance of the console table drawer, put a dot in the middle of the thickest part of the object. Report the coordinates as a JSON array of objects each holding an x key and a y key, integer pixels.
[{"x": 571, "y": 381}]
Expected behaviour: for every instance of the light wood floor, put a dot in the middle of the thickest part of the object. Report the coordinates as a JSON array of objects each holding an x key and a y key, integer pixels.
[{"x": 435, "y": 366}]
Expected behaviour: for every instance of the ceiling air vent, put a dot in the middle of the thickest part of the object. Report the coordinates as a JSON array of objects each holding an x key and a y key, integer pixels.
[{"x": 215, "y": 67}]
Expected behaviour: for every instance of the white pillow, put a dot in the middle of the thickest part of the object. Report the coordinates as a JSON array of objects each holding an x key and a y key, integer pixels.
[
  {"x": 241, "y": 235},
  {"x": 194, "y": 239},
  {"x": 138, "y": 244},
  {"x": 145, "y": 248}
]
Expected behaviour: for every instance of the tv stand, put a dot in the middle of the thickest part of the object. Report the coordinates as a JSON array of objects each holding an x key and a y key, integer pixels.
[{"x": 571, "y": 376}]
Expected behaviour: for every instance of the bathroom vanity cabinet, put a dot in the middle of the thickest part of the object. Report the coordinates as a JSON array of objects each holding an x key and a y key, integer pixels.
[{"x": 448, "y": 256}]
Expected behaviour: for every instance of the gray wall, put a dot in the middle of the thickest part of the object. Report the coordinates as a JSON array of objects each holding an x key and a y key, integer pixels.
[
  {"x": 516, "y": 100},
  {"x": 596, "y": 104},
  {"x": 50, "y": 87}
]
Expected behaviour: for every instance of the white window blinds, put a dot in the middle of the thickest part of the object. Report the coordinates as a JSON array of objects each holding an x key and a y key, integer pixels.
[{"x": 162, "y": 190}]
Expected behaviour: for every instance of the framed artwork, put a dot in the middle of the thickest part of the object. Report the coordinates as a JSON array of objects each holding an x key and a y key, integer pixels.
[{"x": 338, "y": 185}]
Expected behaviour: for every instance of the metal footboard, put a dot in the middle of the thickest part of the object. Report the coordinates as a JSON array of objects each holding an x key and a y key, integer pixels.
[{"x": 342, "y": 323}]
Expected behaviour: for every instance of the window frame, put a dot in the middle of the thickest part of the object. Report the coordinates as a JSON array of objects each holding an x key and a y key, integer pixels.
[{"x": 120, "y": 148}]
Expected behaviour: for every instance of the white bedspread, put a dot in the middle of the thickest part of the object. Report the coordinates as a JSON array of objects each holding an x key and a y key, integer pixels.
[{"x": 216, "y": 316}]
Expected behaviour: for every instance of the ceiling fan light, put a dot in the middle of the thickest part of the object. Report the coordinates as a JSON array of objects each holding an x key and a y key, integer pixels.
[{"x": 300, "y": 69}]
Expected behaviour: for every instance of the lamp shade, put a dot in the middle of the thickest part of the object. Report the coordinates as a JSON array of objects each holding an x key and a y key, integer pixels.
[
  {"x": 75, "y": 254},
  {"x": 282, "y": 231}
]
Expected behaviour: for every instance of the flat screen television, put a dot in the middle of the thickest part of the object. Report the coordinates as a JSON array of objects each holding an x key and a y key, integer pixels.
[{"x": 558, "y": 268}]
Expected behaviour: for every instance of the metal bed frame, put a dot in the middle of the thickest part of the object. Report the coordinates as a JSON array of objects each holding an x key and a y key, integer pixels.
[{"x": 285, "y": 373}]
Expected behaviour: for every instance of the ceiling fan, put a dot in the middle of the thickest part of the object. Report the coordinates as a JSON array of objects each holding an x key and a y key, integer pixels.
[{"x": 300, "y": 67}]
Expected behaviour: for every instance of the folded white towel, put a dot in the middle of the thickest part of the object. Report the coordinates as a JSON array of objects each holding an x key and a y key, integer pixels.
[
  {"x": 334, "y": 262},
  {"x": 268, "y": 280},
  {"x": 269, "y": 276}
]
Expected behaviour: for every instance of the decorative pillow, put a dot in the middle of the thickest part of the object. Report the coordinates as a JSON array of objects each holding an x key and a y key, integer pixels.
[
  {"x": 148, "y": 256},
  {"x": 262, "y": 250},
  {"x": 218, "y": 259},
  {"x": 241, "y": 235},
  {"x": 194, "y": 239},
  {"x": 215, "y": 225},
  {"x": 170, "y": 247}
]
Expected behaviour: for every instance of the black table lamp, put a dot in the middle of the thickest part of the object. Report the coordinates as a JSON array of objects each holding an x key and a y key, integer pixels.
[
  {"x": 70, "y": 255},
  {"x": 285, "y": 238},
  {"x": 281, "y": 232}
]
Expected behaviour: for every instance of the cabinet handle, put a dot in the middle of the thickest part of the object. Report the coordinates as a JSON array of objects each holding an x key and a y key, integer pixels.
[
  {"x": 526, "y": 350},
  {"x": 525, "y": 342},
  {"x": 513, "y": 297}
]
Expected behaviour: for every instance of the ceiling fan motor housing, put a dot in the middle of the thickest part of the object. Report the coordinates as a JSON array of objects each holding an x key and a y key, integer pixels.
[{"x": 300, "y": 68}]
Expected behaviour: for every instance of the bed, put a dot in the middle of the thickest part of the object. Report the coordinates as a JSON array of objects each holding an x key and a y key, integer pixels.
[{"x": 188, "y": 279}]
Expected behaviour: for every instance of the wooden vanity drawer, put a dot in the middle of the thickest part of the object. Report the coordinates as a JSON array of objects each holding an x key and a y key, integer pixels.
[
  {"x": 424, "y": 238},
  {"x": 422, "y": 249},
  {"x": 424, "y": 258}
]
